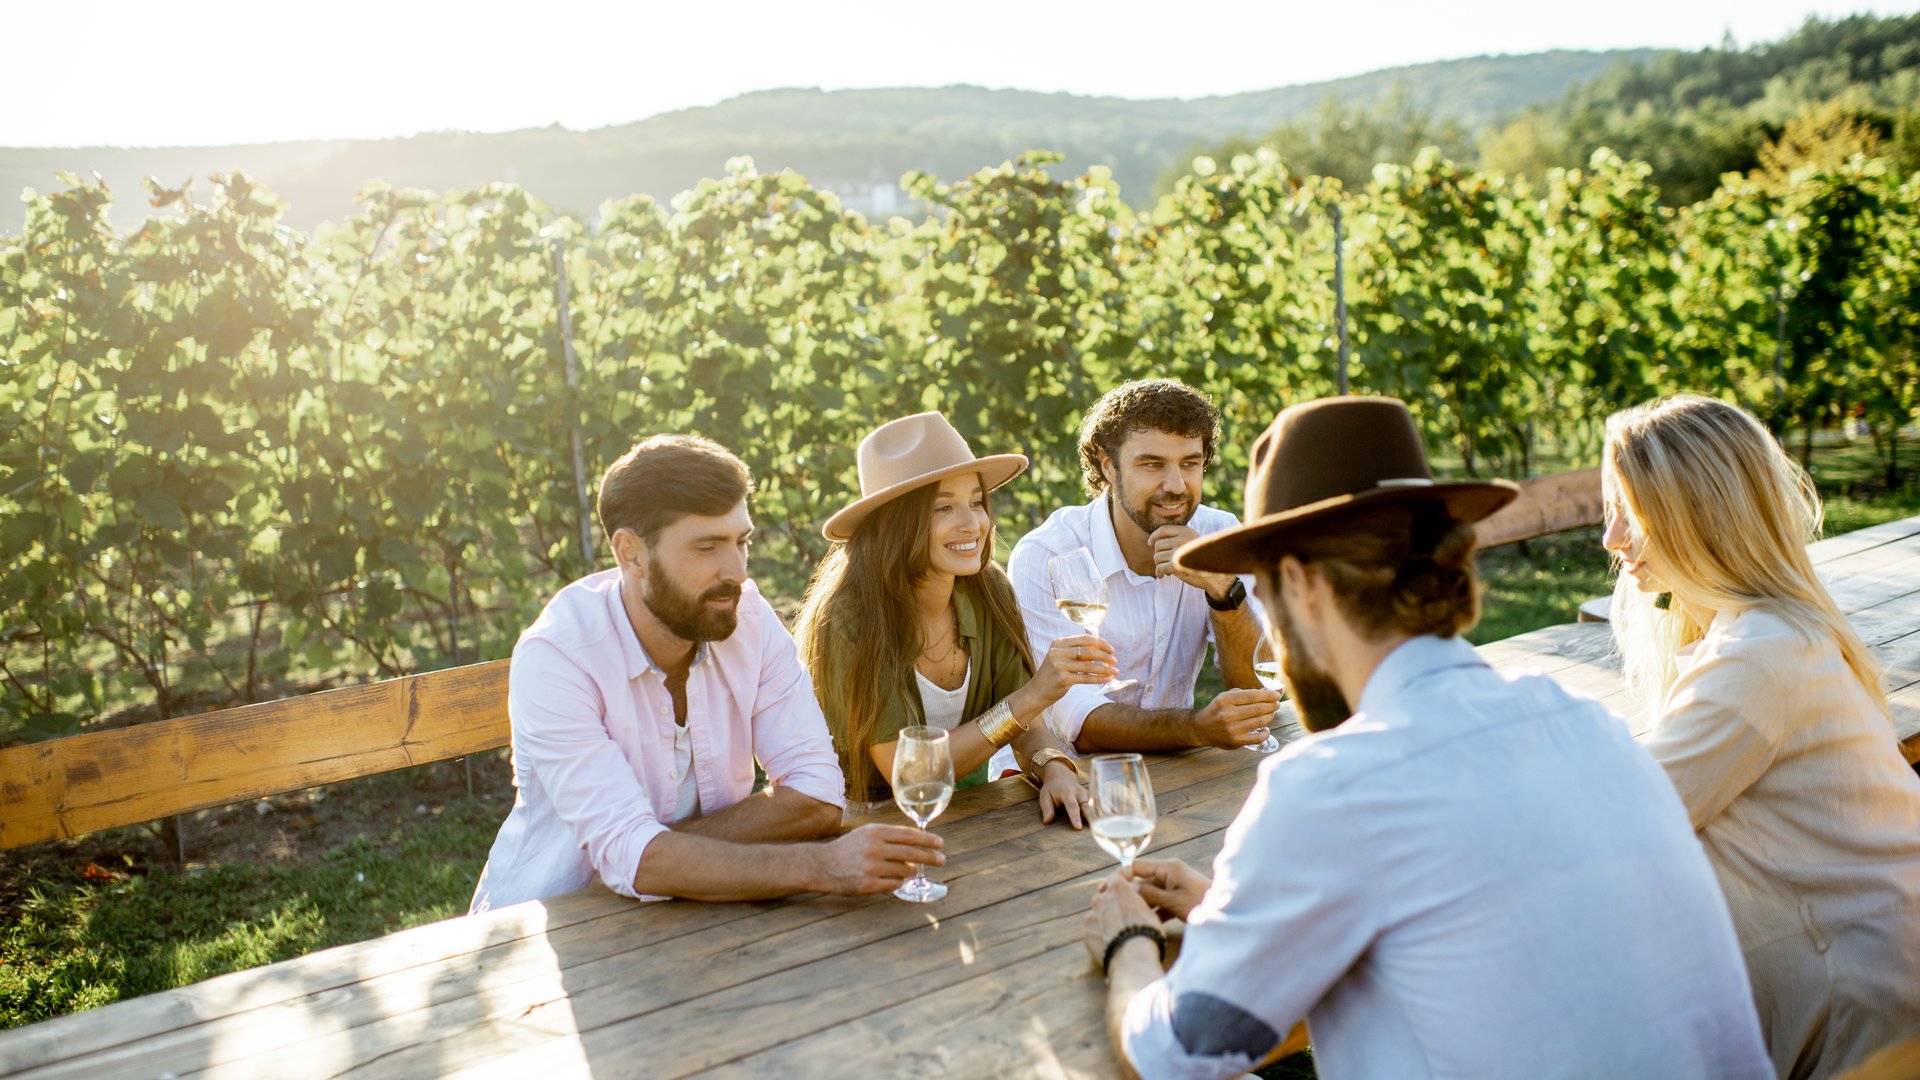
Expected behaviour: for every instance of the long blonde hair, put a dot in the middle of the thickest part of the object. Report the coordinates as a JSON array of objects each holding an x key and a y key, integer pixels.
[{"x": 1727, "y": 513}]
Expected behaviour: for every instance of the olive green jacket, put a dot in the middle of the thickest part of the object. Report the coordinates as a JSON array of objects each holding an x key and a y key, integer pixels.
[{"x": 994, "y": 670}]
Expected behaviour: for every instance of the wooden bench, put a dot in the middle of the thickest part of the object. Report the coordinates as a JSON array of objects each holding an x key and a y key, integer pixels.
[{"x": 68, "y": 787}]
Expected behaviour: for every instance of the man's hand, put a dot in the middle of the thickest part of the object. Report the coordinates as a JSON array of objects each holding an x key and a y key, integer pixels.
[
  {"x": 1236, "y": 718},
  {"x": 1168, "y": 539},
  {"x": 1170, "y": 885},
  {"x": 874, "y": 858},
  {"x": 1116, "y": 906}
]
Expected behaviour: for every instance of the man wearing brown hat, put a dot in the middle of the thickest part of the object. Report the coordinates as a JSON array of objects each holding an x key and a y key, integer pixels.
[{"x": 1458, "y": 873}]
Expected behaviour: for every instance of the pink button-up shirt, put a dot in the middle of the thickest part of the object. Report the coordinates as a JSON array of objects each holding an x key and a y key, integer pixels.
[{"x": 593, "y": 736}]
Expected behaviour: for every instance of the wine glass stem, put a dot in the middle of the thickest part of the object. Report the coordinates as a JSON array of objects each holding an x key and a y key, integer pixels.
[{"x": 920, "y": 870}]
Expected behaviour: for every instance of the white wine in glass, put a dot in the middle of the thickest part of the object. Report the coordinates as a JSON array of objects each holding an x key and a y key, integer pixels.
[
  {"x": 1081, "y": 595},
  {"x": 1123, "y": 812},
  {"x": 1268, "y": 672},
  {"x": 922, "y": 786}
]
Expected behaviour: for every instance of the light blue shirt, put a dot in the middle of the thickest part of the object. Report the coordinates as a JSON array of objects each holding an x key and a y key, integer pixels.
[{"x": 1478, "y": 875}]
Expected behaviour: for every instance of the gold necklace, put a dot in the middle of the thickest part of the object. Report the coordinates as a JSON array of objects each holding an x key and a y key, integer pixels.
[{"x": 940, "y": 663}]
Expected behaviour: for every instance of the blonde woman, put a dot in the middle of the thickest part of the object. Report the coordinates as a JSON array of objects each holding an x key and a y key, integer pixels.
[{"x": 1772, "y": 723}]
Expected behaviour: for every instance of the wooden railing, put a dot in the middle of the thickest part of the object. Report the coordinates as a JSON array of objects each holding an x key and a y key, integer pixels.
[{"x": 68, "y": 787}]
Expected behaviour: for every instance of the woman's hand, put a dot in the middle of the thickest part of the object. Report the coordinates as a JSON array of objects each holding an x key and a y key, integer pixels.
[
  {"x": 1170, "y": 885},
  {"x": 1081, "y": 660},
  {"x": 1062, "y": 789}
]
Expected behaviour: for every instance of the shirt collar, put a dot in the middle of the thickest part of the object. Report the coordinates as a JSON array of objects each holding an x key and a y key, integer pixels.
[
  {"x": 1103, "y": 542},
  {"x": 633, "y": 654},
  {"x": 1409, "y": 662}
]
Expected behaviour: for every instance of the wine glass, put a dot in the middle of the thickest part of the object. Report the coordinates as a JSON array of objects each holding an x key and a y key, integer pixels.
[
  {"x": 922, "y": 784},
  {"x": 1268, "y": 672},
  {"x": 1123, "y": 813},
  {"x": 1081, "y": 595}
]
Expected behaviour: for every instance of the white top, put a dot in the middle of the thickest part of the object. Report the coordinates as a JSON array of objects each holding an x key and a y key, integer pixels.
[
  {"x": 594, "y": 734},
  {"x": 1793, "y": 776},
  {"x": 943, "y": 708},
  {"x": 1159, "y": 627},
  {"x": 1478, "y": 875},
  {"x": 688, "y": 803}
]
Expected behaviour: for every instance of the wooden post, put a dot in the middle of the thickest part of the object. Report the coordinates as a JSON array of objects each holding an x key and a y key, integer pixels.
[
  {"x": 1339, "y": 294},
  {"x": 573, "y": 383}
]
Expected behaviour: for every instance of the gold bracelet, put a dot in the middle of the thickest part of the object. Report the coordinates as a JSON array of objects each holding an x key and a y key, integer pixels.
[{"x": 999, "y": 725}]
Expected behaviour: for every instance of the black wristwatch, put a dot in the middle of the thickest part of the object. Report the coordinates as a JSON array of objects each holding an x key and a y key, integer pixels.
[{"x": 1234, "y": 598}]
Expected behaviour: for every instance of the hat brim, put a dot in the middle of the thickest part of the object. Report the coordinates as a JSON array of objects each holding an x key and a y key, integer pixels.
[
  {"x": 1244, "y": 548},
  {"x": 994, "y": 470}
]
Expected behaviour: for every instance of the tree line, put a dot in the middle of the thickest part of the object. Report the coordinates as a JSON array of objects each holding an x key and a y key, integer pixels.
[{"x": 236, "y": 454}]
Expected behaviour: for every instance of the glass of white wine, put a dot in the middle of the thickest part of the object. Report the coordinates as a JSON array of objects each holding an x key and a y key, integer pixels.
[
  {"x": 922, "y": 786},
  {"x": 1123, "y": 812},
  {"x": 1081, "y": 595},
  {"x": 1268, "y": 672}
]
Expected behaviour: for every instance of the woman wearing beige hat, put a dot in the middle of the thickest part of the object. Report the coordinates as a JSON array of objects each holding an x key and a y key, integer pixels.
[
  {"x": 1771, "y": 720},
  {"x": 909, "y": 620}
]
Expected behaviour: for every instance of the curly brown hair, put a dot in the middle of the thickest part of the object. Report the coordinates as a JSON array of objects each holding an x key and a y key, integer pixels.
[{"x": 1144, "y": 405}]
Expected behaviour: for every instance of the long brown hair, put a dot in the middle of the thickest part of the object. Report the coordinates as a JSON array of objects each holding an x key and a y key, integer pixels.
[{"x": 861, "y": 599}]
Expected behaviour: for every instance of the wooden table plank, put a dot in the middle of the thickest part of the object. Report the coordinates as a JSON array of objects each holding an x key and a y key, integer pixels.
[
  {"x": 512, "y": 979},
  {"x": 1835, "y": 548}
]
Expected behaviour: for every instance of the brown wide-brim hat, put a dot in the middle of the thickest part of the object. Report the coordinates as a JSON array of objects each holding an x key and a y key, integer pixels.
[
  {"x": 911, "y": 452},
  {"x": 1322, "y": 457}
]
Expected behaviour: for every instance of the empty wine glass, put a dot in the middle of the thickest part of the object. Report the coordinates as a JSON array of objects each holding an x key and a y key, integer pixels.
[
  {"x": 1081, "y": 595},
  {"x": 922, "y": 785},
  {"x": 1123, "y": 813}
]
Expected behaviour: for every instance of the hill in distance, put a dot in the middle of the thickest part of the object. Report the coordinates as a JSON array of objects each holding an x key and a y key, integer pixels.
[{"x": 850, "y": 140}]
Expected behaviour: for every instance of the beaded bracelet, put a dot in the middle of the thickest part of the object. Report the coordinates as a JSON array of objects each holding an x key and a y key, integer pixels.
[{"x": 1128, "y": 933}]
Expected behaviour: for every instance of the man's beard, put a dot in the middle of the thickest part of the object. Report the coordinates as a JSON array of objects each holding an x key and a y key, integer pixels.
[
  {"x": 1316, "y": 696},
  {"x": 688, "y": 616},
  {"x": 1143, "y": 516}
]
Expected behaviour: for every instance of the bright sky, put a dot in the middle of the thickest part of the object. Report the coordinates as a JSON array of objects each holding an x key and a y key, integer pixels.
[{"x": 209, "y": 72}]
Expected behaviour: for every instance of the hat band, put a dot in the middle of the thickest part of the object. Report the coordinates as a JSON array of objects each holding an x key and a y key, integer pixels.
[{"x": 1409, "y": 481}]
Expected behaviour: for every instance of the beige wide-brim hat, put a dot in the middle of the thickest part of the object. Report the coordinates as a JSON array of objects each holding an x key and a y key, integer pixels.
[
  {"x": 908, "y": 453},
  {"x": 1322, "y": 457}
]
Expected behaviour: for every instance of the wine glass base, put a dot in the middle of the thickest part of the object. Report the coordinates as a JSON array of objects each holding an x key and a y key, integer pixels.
[
  {"x": 1115, "y": 686},
  {"x": 921, "y": 890},
  {"x": 1265, "y": 746}
]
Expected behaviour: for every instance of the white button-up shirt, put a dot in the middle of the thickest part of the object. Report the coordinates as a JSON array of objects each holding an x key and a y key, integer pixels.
[
  {"x": 1159, "y": 627},
  {"x": 1476, "y": 876},
  {"x": 593, "y": 740}
]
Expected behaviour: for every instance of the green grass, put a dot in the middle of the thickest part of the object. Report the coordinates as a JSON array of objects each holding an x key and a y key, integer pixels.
[{"x": 100, "y": 929}]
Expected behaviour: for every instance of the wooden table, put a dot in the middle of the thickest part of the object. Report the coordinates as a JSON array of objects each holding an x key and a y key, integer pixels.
[
  {"x": 991, "y": 981},
  {"x": 1874, "y": 576}
]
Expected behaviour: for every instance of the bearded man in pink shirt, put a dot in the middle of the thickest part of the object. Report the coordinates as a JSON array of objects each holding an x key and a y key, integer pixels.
[{"x": 642, "y": 697}]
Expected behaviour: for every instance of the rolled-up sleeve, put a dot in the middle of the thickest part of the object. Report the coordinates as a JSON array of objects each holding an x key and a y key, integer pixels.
[
  {"x": 560, "y": 737},
  {"x": 1284, "y": 920},
  {"x": 1027, "y": 568},
  {"x": 789, "y": 731}
]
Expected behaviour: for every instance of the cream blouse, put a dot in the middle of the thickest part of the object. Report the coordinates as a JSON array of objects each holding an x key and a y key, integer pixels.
[{"x": 1793, "y": 779}]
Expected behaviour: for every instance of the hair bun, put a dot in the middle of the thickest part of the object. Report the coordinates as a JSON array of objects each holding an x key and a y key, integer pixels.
[{"x": 1455, "y": 546}]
